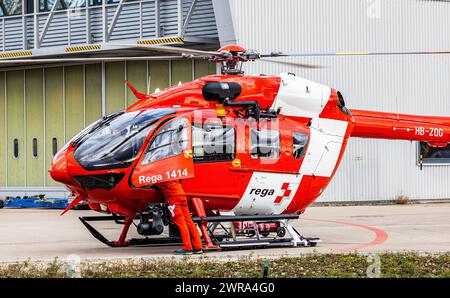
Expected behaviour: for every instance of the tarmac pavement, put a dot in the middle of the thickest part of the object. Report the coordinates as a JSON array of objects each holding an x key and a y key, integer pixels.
[{"x": 44, "y": 235}]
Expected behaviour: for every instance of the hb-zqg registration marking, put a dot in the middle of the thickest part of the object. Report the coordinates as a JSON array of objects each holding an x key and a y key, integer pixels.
[{"x": 433, "y": 132}]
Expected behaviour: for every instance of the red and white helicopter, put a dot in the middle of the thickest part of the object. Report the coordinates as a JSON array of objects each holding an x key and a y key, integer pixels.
[{"x": 254, "y": 151}]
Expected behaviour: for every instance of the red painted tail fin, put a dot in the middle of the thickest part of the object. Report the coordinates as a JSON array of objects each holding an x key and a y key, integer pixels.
[{"x": 433, "y": 130}]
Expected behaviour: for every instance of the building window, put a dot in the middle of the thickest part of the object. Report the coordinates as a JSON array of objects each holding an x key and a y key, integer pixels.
[
  {"x": 434, "y": 155},
  {"x": 265, "y": 144},
  {"x": 99, "y": 2},
  {"x": 46, "y": 5},
  {"x": 34, "y": 147},
  {"x": 30, "y": 6},
  {"x": 54, "y": 146},
  {"x": 10, "y": 7},
  {"x": 14, "y": 7},
  {"x": 299, "y": 141},
  {"x": 213, "y": 142},
  {"x": 15, "y": 148}
]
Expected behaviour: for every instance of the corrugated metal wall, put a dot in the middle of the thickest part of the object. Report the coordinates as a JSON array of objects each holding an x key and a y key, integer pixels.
[
  {"x": 371, "y": 169},
  {"x": 202, "y": 17}
]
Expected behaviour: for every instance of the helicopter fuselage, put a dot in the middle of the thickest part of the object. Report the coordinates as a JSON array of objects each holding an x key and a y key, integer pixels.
[
  {"x": 252, "y": 145},
  {"x": 270, "y": 165}
]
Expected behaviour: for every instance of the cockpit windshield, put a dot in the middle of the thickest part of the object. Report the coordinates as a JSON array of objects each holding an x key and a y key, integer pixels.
[{"x": 115, "y": 141}]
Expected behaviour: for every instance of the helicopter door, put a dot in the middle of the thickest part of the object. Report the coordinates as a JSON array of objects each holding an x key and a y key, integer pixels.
[{"x": 168, "y": 155}]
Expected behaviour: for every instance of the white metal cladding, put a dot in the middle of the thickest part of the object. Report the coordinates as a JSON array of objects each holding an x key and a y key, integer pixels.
[
  {"x": 371, "y": 169},
  {"x": 202, "y": 17},
  {"x": 56, "y": 28},
  {"x": 169, "y": 16},
  {"x": 148, "y": 20},
  {"x": 125, "y": 27},
  {"x": 13, "y": 35},
  {"x": 96, "y": 25}
]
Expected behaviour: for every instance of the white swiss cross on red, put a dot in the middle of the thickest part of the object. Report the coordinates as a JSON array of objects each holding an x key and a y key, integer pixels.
[{"x": 286, "y": 193}]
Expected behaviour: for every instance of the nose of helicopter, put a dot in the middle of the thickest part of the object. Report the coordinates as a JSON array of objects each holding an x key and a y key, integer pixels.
[{"x": 59, "y": 171}]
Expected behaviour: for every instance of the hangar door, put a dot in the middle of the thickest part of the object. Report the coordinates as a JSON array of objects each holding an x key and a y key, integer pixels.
[{"x": 42, "y": 108}]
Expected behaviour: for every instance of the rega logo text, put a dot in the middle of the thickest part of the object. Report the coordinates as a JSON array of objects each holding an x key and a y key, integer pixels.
[{"x": 262, "y": 192}]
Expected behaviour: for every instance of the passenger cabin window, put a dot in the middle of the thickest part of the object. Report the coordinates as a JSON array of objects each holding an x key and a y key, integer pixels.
[
  {"x": 212, "y": 142},
  {"x": 171, "y": 140},
  {"x": 299, "y": 142},
  {"x": 265, "y": 144}
]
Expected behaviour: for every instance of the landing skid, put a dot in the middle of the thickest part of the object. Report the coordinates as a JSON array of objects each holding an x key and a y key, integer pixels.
[
  {"x": 230, "y": 240},
  {"x": 224, "y": 238},
  {"x": 131, "y": 242}
]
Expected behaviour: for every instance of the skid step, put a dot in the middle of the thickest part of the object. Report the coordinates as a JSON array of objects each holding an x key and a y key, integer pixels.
[{"x": 260, "y": 244}]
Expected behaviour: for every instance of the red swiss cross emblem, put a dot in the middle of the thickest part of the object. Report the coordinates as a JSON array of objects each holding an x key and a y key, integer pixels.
[{"x": 286, "y": 193}]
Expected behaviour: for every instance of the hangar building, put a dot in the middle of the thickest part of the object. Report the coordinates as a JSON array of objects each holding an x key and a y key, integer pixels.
[
  {"x": 43, "y": 106},
  {"x": 370, "y": 169}
]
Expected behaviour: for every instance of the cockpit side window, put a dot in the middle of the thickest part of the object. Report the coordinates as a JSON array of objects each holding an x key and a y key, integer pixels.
[
  {"x": 171, "y": 140},
  {"x": 299, "y": 144}
]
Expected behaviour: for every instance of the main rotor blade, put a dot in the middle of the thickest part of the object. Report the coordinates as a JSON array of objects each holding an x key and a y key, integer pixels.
[
  {"x": 302, "y": 65},
  {"x": 331, "y": 54},
  {"x": 89, "y": 59},
  {"x": 169, "y": 49}
]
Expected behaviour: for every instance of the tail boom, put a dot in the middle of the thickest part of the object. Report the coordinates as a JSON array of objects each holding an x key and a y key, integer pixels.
[{"x": 433, "y": 130}]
